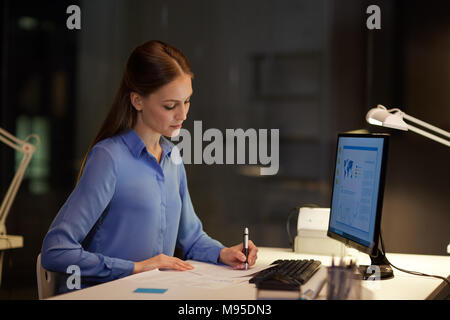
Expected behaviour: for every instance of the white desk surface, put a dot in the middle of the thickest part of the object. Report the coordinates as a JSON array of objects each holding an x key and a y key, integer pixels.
[{"x": 402, "y": 287}]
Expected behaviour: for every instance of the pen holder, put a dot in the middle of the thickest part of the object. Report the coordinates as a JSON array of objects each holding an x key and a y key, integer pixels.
[{"x": 343, "y": 283}]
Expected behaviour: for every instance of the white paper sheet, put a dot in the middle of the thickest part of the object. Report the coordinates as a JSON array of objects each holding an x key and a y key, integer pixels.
[
  {"x": 204, "y": 275},
  {"x": 221, "y": 271}
]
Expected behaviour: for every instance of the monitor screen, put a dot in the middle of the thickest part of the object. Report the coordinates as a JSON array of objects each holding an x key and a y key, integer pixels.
[{"x": 358, "y": 185}]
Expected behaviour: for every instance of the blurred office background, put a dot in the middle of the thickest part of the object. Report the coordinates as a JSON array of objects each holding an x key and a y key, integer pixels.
[{"x": 308, "y": 68}]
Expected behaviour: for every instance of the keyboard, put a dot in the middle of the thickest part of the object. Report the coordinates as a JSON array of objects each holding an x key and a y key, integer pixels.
[{"x": 286, "y": 274}]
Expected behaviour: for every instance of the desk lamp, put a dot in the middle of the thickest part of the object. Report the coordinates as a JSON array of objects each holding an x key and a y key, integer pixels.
[
  {"x": 27, "y": 149},
  {"x": 394, "y": 118}
]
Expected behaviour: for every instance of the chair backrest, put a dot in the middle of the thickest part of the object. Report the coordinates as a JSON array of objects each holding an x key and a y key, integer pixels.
[{"x": 47, "y": 281}]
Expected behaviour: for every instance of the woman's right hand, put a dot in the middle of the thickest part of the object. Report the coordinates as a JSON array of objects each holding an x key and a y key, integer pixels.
[{"x": 161, "y": 261}]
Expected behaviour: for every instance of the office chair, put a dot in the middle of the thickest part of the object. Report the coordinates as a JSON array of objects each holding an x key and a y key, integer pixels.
[{"x": 47, "y": 281}]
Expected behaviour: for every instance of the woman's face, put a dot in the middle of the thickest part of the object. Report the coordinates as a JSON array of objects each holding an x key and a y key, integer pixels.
[{"x": 164, "y": 110}]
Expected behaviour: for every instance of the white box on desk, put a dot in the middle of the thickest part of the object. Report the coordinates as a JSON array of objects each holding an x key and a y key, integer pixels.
[{"x": 312, "y": 227}]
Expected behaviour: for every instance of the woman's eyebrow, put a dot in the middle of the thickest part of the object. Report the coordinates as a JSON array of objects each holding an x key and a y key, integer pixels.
[{"x": 174, "y": 100}]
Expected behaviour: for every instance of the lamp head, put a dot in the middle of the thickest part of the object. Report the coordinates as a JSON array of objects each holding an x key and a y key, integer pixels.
[{"x": 380, "y": 116}]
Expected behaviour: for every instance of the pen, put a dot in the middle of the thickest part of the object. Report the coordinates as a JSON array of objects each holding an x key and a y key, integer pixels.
[{"x": 246, "y": 247}]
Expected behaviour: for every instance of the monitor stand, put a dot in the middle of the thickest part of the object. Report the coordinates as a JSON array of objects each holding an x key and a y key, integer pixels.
[{"x": 379, "y": 269}]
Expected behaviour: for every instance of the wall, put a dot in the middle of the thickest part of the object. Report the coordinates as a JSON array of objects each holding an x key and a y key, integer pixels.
[{"x": 333, "y": 71}]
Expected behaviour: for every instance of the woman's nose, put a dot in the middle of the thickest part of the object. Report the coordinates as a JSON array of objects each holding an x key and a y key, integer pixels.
[{"x": 182, "y": 114}]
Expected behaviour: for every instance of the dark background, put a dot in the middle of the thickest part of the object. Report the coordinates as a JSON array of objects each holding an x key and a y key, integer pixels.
[{"x": 308, "y": 68}]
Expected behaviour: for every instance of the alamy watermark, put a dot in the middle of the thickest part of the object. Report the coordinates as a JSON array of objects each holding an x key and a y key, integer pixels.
[
  {"x": 373, "y": 281},
  {"x": 74, "y": 280},
  {"x": 74, "y": 20},
  {"x": 231, "y": 148},
  {"x": 374, "y": 20}
]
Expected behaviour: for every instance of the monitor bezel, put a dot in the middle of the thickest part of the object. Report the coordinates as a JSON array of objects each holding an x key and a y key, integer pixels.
[{"x": 372, "y": 250}]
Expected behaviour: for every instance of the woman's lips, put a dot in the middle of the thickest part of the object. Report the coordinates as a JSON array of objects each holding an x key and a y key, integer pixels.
[{"x": 178, "y": 126}]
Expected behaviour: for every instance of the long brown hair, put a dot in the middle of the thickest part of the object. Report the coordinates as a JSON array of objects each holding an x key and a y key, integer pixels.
[{"x": 149, "y": 67}]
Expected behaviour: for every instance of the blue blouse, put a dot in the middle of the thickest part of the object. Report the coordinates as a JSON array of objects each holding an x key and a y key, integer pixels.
[{"x": 126, "y": 207}]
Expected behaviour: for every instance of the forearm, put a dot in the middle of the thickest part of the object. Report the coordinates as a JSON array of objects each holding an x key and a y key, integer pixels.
[
  {"x": 58, "y": 253},
  {"x": 161, "y": 261},
  {"x": 205, "y": 249}
]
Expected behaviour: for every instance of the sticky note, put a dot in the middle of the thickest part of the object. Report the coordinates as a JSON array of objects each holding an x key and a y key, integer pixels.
[{"x": 149, "y": 290}]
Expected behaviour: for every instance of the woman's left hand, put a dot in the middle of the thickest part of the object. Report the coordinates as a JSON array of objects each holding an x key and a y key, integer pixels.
[{"x": 235, "y": 257}]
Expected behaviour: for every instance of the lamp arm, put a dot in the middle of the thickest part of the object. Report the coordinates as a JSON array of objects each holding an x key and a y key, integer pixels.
[
  {"x": 429, "y": 135},
  {"x": 13, "y": 188},
  {"x": 426, "y": 125},
  {"x": 17, "y": 146},
  {"x": 394, "y": 118},
  {"x": 27, "y": 150}
]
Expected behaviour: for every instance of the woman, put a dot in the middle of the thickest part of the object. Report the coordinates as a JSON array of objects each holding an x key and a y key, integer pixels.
[{"x": 131, "y": 206}]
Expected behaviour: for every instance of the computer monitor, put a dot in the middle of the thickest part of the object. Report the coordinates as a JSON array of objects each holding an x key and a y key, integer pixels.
[{"x": 357, "y": 196}]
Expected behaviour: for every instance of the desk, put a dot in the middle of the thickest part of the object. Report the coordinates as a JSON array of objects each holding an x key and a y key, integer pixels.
[{"x": 402, "y": 286}]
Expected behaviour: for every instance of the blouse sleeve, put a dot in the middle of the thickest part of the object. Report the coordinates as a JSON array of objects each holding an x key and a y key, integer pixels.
[
  {"x": 62, "y": 244},
  {"x": 194, "y": 242}
]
